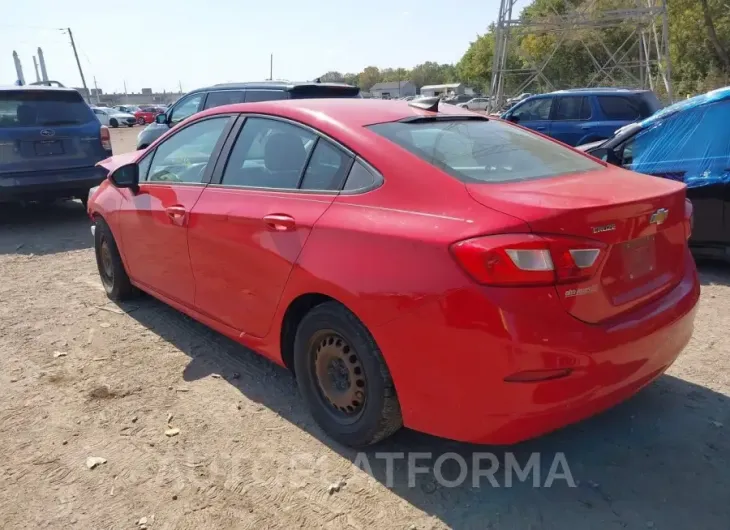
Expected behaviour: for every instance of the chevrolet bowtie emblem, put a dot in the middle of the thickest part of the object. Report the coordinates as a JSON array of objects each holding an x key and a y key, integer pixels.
[{"x": 659, "y": 216}]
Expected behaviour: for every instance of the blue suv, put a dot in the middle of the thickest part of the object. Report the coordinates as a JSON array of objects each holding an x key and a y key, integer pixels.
[
  {"x": 50, "y": 142},
  {"x": 580, "y": 116}
]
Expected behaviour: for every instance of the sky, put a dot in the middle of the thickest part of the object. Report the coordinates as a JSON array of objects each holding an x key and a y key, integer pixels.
[{"x": 164, "y": 44}]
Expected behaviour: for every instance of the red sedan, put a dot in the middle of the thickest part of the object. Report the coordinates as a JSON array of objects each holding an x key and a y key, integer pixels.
[
  {"x": 146, "y": 115},
  {"x": 458, "y": 275}
]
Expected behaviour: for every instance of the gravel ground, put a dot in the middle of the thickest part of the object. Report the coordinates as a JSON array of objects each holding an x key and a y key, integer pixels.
[{"x": 82, "y": 377}]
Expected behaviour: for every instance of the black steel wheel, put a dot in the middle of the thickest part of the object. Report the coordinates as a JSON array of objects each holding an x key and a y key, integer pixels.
[
  {"x": 113, "y": 276},
  {"x": 343, "y": 377}
]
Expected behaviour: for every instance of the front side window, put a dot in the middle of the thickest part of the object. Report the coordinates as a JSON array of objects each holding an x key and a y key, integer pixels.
[
  {"x": 537, "y": 109},
  {"x": 224, "y": 97},
  {"x": 485, "y": 150},
  {"x": 572, "y": 108},
  {"x": 183, "y": 157},
  {"x": 269, "y": 154},
  {"x": 186, "y": 108}
]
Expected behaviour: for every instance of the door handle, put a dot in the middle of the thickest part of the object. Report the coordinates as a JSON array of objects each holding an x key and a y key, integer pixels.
[
  {"x": 176, "y": 214},
  {"x": 540, "y": 128},
  {"x": 279, "y": 222}
]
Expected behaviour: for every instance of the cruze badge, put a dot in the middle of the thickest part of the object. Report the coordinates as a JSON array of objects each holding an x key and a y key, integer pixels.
[
  {"x": 579, "y": 292},
  {"x": 659, "y": 216},
  {"x": 604, "y": 228}
]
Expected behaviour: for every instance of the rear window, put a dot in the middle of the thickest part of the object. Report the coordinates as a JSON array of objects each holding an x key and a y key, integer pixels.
[
  {"x": 42, "y": 108},
  {"x": 485, "y": 151},
  {"x": 629, "y": 108},
  {"x": 324, "y": 91}
]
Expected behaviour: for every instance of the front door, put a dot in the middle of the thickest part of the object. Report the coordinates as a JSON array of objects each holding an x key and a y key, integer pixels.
[
  {"x": 154, "y": 221},
  {"x": 533, "y": 114},
  {"x": 247, "y": 232}
]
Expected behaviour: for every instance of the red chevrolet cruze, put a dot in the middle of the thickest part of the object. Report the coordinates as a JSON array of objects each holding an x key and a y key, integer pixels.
[{"x": 416, "y": 266}]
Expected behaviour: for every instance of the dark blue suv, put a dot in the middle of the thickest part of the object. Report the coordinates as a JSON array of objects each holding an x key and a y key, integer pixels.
[
  {"x": 583, "y": 115},
  {"x": 50, "y": 142}
]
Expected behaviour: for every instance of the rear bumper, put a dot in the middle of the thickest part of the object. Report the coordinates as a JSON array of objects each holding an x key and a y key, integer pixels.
[
  {"x": 449, "y": 360},
  {"x": 50, "y": 184}
]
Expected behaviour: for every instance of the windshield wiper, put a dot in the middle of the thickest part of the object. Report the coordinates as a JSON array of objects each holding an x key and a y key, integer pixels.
[{"x": 59, "y": 122}]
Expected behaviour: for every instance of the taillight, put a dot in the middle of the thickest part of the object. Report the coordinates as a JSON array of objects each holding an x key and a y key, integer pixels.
[
  {"x": 528, "y": 259},
  {"x": 106, "y": 139},
  {"x": 689, "y": 218}
]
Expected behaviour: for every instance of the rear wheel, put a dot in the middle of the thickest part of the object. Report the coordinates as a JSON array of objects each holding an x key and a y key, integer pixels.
[
  {"x": 114, "y": 123},
  {"x": 343, "y": 377},
  {"x": 113, "y": 276}
]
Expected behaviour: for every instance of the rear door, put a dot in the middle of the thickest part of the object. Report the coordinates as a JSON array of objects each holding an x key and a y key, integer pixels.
[
  {"x": 533, "y": 114},
  {"x": 571, "y": 119},
  {"x": 44, "y": 130},
  {"x": 615, "y": 111},
  {"x": 218, "y": 98},
  {"x": 250, "y": 225}
]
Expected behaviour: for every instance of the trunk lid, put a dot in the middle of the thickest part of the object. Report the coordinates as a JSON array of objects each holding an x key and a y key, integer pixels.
[{"x": 640, "y": 220}]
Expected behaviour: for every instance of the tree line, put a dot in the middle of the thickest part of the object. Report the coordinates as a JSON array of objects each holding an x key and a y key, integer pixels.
[{"x": 699, "y": 33}]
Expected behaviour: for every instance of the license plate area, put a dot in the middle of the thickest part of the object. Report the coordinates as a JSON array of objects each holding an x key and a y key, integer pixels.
[
  {"x": 49, "y": 148},
  {"x": 639, "y": 257}
]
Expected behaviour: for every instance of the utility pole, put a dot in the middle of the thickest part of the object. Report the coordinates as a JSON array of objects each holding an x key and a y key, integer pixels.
[
  {"x": 97, "y": 91},
  {"x": 78, "y": 63},
  {"x": 179, "y": 84},
  {"x": 125, "y": 89},
  {"x": 271, "y": 67}
]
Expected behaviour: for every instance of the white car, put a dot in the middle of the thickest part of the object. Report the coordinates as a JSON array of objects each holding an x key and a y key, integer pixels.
[
  {"x": 129, "y": 109},
  {"x": 114, "y": 117},
  {"x": 476, "y": 104}
]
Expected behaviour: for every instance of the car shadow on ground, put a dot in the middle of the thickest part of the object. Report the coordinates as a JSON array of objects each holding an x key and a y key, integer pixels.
[
  {"x": 660, "y": 460},
  {"x": 42, "y": 229}
]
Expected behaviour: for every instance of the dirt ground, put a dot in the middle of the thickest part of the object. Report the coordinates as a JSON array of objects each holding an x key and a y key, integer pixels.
[{"x": 82, "y": 377}]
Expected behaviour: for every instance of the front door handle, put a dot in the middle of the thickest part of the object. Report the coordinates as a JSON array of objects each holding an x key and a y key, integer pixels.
[
  {"x": 280, "y": 222},
  {"x": 177, "y": 214},
  {"x": 540, "y": 128}
]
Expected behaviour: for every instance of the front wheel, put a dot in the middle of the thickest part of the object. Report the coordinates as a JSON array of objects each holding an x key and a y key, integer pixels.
[
  {"x": 140, "y": 121},
  {"x": 343, "y": 377},
  {"x": 113, "y": 276},
  {"x": 114, "y": 123}
]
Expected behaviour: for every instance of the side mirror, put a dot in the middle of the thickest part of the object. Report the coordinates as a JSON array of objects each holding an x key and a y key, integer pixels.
[
  {"x": 161, "y": 119},
  {"x": 126, "y": 176},
  {"x": 513, "y": 118}
]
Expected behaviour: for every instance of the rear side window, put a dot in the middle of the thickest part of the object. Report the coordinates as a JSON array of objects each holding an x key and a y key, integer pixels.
[
  {"x": 485, "y": 151},
  {"x": 619, "y": 108},
  {"x": 265, "y": 95},
  {"x": 327, "y": 167},
  {"x": 224, "y": 97},
  {"x": 573, "y": 108},
  {"x": 324, "y": 91},
  {"x": 43, "y": 108},
  {"x": 360, "y": 178}
]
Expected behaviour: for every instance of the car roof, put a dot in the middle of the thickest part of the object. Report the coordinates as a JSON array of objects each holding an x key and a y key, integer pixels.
[
  {"x": 36, "y": 88},
  {"x": 713, "y": 96},
  {"x": 351, "y": 112},
  {"x": 593, "y": 91},
  {"x": 280, "y": 85}
]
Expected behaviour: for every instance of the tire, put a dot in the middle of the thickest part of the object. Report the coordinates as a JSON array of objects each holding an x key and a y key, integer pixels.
[
  {"x": 353, "y": 398},
  {"x": 140, "y": 121},
  {"x": 130, "y": 125},
  {"x": 114, "y": 123},
  {"x": 85, "y": 202},
  {"x": 113, "y": 276}
]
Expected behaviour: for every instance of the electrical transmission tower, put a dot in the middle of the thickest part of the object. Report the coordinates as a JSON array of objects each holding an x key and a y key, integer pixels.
[{"x": 640, "y": 58}]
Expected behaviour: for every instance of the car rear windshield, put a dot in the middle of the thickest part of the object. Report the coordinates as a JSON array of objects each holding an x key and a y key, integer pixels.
[
  {"x": 40, "y": 108},
  {"x": 485, "y": 151}
]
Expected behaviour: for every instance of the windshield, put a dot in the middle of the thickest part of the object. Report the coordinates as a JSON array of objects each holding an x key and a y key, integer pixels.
[
  {"x": 40, "y": 108},
  {"x": 485, "y": 151}
]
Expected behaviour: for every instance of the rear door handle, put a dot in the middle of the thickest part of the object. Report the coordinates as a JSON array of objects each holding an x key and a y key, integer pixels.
[
  {"x": 177, "y": 214},
  {"x": 280, "y": 222}
]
